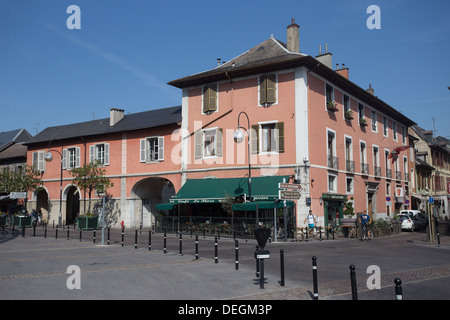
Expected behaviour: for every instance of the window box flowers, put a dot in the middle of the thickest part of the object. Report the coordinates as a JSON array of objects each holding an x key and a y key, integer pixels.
[{"x": 332, "y": 106}]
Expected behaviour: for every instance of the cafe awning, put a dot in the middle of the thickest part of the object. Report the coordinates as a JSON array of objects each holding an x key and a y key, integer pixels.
[
  {"x": 217, "y": 190},
  {"x": 251, "y": 206},
  {"x": 165, "y": 206}
]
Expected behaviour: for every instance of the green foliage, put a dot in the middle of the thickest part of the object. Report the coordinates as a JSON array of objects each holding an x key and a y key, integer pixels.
[
  {"x": 22, "y": 181},
  {"x": 348, "y": 211}
]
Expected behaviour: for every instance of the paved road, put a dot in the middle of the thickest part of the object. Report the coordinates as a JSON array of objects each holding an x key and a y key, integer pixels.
[{"x": 36, "y": 268}]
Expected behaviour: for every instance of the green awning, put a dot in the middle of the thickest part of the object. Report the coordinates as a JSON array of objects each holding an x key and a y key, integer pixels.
[
  {"x": 165, "y": 206},
  {"x": 251, "y": 206},
  {"x": 216, "y": 190}
]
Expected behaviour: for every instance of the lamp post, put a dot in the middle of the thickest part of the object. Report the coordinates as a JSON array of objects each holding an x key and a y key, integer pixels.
[
  {"x": 49, "y": 158},
  {"x": 238, "y": 137}
]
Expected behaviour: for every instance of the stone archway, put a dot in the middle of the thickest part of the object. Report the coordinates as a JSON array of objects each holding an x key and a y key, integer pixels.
[
  {"x": 146, "y": 194},
  {"x": 72, "y": 196},
  {"x": 42, "y": 203}
]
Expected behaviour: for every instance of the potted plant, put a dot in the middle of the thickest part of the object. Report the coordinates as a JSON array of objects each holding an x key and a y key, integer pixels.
[
  {"x": 332, "y": 106},
  {"x": 362, "y": 122},
  {"x": 348, "y": 114}
]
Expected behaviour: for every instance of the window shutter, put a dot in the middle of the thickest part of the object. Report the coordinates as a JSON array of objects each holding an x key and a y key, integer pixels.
[
  {"x": 35, "y": 160},
  {"x": 91, "y": 154},
  {"x": 271, "y": 95},
  {"x": 262, "y": 90},
  {"x": 106, "y": 154},
  {"x": 209, "y": 98},
  {"x": 77, "y": 155},
  {"x": 254, "y": 138},
  {"x": 280, "y": 132},
  {"x": 219, "y": 142},
  {"x": 64, "y": 159},
  {"x": 160, "y": 148},
  {"x": 198, "y": 135},
  {"x": 142, "y": 150},
  {"x": 205, "y": 99},
  {"x": 41, "y": 161}
]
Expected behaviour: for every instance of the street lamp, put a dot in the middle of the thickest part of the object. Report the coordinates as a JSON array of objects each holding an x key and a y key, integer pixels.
[
  {"x": 238, "y": 137},
  {"x": 49, "y": 158}
]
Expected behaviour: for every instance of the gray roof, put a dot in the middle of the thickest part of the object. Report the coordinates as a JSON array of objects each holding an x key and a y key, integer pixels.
[
  {"x": 130, "y": 122},
  {"x": 13, "y": 136}
]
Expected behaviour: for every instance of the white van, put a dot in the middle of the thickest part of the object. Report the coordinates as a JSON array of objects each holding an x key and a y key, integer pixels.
[{"x": 420, "y": 219}]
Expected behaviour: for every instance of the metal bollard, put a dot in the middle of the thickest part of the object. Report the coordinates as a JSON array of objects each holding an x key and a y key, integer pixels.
[
  {"x": 282, "y": 283},
  {"x": 93, "y": 237},
  {"x": 216, "y": 256},
  {"x": 80, "y": 234},
  {"x": 149, "y": 240},
  {"x": 320, "y": 233},
  {"x": 353, "y": 282},
  {"x": 196, "y": 247},
  {"x": 23, "y": 229},
  {"x": 109, "y": 233},
  {"x": 165, "y": 240},
  {"x": 45, "y": 232},
  {"x": 135, "y": 239},
  {"x": 315, "y": 286},
  {"x": 236, "y": 255},
  {"x": 398, "y": 289},
  {"x": 257, "y": 262},
  {"x": 67, "y": 232},
  {"x": 34, "y": 229},
  {"x": 438, "y": 239},
  {"x": 56, "y": 233},
  {"x": 181, "y": 244},
  {"x": 123, "y": 234}
]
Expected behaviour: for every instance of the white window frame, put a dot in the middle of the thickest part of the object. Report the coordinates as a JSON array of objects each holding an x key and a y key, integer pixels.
[
  {"x": 385, "y": 126},
  {"x": 39, "y": 161},
  {"x": 261, "y": 137},
  {"x": 352, "y": 191},
  {"x": 394, "y": 131},
  {"x": 373, "y": 114},
  {"x": 145, "y": 149},
  {"x": 67, "y": 165},
  {"x": 94, "y": 150},
  {"x": 213, "y": 132},
  {"x": 334, "y": 190}
]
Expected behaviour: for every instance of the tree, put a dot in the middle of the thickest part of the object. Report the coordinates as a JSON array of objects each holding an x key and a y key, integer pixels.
[{"x": 90, "y": 177}]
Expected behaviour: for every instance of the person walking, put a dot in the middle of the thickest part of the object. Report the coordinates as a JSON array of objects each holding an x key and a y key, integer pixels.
[{"x": 311, "y": 222}]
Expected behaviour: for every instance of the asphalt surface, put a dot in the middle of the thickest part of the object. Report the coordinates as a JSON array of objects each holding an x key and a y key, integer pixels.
[{"x": 36, "y": 268}]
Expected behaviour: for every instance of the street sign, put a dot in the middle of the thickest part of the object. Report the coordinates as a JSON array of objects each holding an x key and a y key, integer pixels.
[
  {"x": 262, "y": 235},
  {"x": 430, "y": 200},
  {"x": 289, "y": 186},
  {"x": 289, "y": 194},
  {"x": 18, "y": 195},
  {"x": 262, "y": 254}
]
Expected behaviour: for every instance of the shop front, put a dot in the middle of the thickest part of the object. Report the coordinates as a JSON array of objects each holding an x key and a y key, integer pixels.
[{"x": 333, "y": 207}]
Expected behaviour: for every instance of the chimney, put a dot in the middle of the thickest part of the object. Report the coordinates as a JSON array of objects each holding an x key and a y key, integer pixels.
[
  {"x": 326, "y": 57},
  {"x": 293, "y": 40},
  {"x": 343, "y": 71},
  {"x": 115, "y": 116},
  {"x": 370, "y": 90}
]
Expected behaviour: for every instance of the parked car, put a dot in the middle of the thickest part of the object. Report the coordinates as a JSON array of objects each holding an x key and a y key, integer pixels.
[
  {"x": 407, "y": 222},
  {"x": 420, "y": 220}
]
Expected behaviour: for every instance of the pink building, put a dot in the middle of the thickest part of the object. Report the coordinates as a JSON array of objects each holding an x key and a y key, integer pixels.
[
  {"x": 306, "y": 121},
  {"x": 135, "y": 152}
]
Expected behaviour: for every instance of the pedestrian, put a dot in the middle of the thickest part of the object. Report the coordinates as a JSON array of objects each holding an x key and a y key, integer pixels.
[{"x": 311, "y": 222}]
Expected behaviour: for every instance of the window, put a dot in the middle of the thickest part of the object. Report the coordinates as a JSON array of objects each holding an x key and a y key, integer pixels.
[
  {"x": 331, "y": 150},
  {"x": 346, "y": 103},
  {"x": 208, "y": 143},
  {"x": 388, "y": 188},
  {"x": 329, "y": 93},
  {"x": 332, "y": 183},
  {"x": 394, "y": 130},
  {"x": 360, "y": 111},
  {"x": 38, "y": 161},
  {"x": 152, "y": 149},
  {"x": 99, "y": 152},
  {"x": 403, "y": 135},
  {"x": 364, "y": 164},
  {"x": 349, "y": 184},
  {"x": 71, "y": 158},
  {"x": 385, "y": 126},
  {"x": 374, "y": 121},
  {"x": 209, "y": 98},
  {"x": 376, "y": 165},
  {"x": 267, "y": 137},
  {"x": 267, "y": 89},
  {"x": 349, "y": 163}
]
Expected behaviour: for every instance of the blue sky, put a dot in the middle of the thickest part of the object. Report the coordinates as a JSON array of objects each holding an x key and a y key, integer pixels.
[{"x": 126, "y": 52}]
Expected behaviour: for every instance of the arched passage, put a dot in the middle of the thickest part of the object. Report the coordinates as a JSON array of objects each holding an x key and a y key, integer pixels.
[
  {"x": 42, "y": 203},
  {"x": 72, "y": 196},
  {"x": 147, "y": 193}
]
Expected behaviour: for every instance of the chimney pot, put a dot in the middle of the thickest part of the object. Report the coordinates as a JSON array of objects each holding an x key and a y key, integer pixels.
[{"x": 293, "y": 40}]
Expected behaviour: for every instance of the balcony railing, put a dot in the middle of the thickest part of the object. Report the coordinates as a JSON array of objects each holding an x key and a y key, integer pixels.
[
  {"x": 333, "y": 162},
  {"x": 350, "y": 165},
  {"x": 388, "y": 173},
  {"x": 398, "y": 175},
  {"x": 364, "y": 168},
  {"x": 406, "y": 176},
  {"x": 377, "y": 171}
]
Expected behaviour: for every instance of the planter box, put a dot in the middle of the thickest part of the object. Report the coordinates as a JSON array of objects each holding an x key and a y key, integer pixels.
[
  {"x": 19, "y": 221},
  {"x": 87, "y": 223},
  {"x": 3, "y": 219}
]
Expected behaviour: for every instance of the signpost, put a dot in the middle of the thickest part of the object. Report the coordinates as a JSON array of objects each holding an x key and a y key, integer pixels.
[
  {"x": 292, "y": 194},
  {"x": 289, "y": 195},
  {"x": 262, "y": 235},
  {"x": 17, "y": 195}
]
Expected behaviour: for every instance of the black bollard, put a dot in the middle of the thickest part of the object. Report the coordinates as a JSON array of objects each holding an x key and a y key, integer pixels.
[
  {"x": 196, "y": 247},
  {"x": 135, "y": 239},
  {"x": 438, "y": 239},
  {"x": 34, "y": 229},
  {"x": 93, "y": 237},
  {"x": 23, "y": 228},
  {"x": 56, "y": 233},
  {"x": 149, "y": 240},
  {"x": 398, "y": 289},
  {"x": 123, "y": 234},
  {"x": 109, "y": 233},
  {"x": 320, "y": 233},
  {"x": 236, "y": 255},
  {"x": 315, "y": 286},
  {"x": 353, "y": 282},
  {"x": 67, "y": 232},
  {"x": 261, "y": 276},
  {"x": 257, "y": 262},
  {"x": 181, "y": 244},
  {"x": 45, "y": 232},
  {"x": 216, "y": 256},
  {"x": 282, "y": 267},
  {"x": 80, "y": 234},
  {"x": 165, "y": 240}
]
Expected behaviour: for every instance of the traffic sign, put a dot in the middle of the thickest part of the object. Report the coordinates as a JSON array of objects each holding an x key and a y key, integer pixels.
[
  {"x": 262, "y": 254},
  {"x": 289, "y": 186},
  {"x": 430, "y": 200},
  {"x": 289, "y": 194},
  {"x": 18, "y": 195}
]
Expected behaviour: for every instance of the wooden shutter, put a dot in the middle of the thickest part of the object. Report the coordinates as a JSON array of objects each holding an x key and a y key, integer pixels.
[
  {"x": 254, "y": 138},
  {"x": 268, "y": 89},
  {"x": 91, "y": 153},
  {"x": 143, "y": 153},
  {"x": 106, "y": 154},
  {"x": 219, "y": 142},
  {"x": 160, "y": 148},
  {"x": 41, "y": 161},
  {"x": 262, "y": 90},
  {"x": 280, "y": 132},
  {"x": 77, "y": 157},
  {"x": 64, "y": 159},
  {"x": 209, "y": 98},
  {"x": 198, "y": 144}
]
